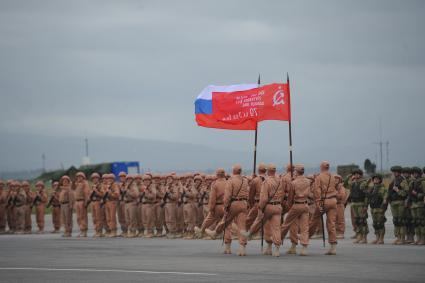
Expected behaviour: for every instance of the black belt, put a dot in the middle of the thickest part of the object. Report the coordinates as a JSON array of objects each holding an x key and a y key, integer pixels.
[
  {"x": 300, "y": 202},
  {"x": 80, "y": 199},
  {"x": 57, "y": 205},
  {"x": 218, "y": 203},
  {"x": 257, "y": 201},
  {"x": 65, "y": 202},
  {"x": 147, "y": 202},
  {"x": 274, "y": 202},
  {"x": 331, "y": 197},
  {"x": 239, "y": 199},
  {"x": 129, "y": 201}
]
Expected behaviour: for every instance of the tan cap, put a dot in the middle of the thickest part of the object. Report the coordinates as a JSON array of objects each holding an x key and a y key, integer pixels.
[
  {"x": 25, "y": 184},
  {"x": 138, "y": 177},
  {"x": 122, "y": 174},
  {"x": 324, "y": 165},
  {"x": 271, "y": 167},
  {"x": 147, "y": 177},
  {"x": 262, "y": 167},
  {"x": 39, "y": 184},
  {"x": 66, "y": 177},
  {"x": 220, "y": 171},
  {"x": 198, "y": 177},
  {"x": 299, "y": 167},
  {"x": 128, "y": 177},
  {"x": 111, "y": 176},
  {"x": 80, "y": 174},
  {"x": 94, "y": 175},
  {"x": 105, "y": 176}
]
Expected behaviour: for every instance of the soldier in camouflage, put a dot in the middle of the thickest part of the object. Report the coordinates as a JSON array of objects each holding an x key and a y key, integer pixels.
[
  {"x": 416, "y": 205},
  {"x": 378, "y": 205},
  {"x": 397, "y": 194},
  {"x": 358, "y": 197}
]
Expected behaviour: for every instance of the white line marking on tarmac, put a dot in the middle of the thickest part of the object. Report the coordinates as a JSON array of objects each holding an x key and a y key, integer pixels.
[{"x": 107, "y": 270}]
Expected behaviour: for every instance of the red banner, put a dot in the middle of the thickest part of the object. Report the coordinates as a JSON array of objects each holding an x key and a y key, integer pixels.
[{"x": 269, "y": 102}]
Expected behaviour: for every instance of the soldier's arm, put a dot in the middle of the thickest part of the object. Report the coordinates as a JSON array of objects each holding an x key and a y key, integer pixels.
[
  {"x": 291, "y": 194},
  {"x": 404, "y": 188},
  {"x": 227, "y": 194},
  {"x": 264, "y": 195},
  {"x": 213, "y": 198},
  {"x": 252, "y": 189}
]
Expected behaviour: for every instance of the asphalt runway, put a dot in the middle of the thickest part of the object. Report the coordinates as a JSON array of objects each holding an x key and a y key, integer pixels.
[{"x": 51, "y": 258}]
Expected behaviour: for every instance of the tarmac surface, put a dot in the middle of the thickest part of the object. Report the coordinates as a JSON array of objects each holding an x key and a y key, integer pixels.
[{"x": 51, "y": 258}]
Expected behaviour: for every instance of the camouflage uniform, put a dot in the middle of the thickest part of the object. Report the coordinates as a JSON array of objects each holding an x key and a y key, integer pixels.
[
  {"x": 416, "y": 204},
  {"x": 397, "y": 194},
  {"x": 359, "y": 202},
  {"x": 377, "y": 201}
]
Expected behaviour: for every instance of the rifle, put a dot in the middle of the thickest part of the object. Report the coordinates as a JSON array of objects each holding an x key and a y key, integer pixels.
[
  {"x": 35, "y": 201},
  {"x": 201, "y": 199},
  {"x": 164, "y": 199},
  {"x": 11, "y": 202},
  {"x": 322, "y": 204},
  {"x": 92, "y": 195},
  {"x": 181, "y": 199},
  {"x": 49, "y": 204}
]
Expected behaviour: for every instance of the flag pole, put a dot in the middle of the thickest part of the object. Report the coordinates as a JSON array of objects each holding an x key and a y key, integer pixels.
[
  {"x": 290, "y": 127},
  {"x": 256, "y": 135}
]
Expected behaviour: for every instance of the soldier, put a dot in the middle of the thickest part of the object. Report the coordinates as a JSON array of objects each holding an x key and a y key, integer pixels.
[
  {"x": 215, "y": 204},
  {"x": 299, "y": 191},
  {"x": 378, "y": 205},
  {"x": 19, "y": 199},
  {"x": 205, "y": 195},
  {"x": 179, "y": 209},
  {"x": 408, "y": 220},
  {"x": 254, "y": 194},
  {"x": 158, "y": 209},
  {"x": 416, "y": 203},
  {"x": 341, "y": 200},
  {"x": 397, "y": 194},
  {"x": 56, "y": 207},
  {"x": 199, "y": 210},
  {"x": 288, "y": 177},
  {"x": 359, "y": 203},
  {"x": 236, "y": 206},
  {"x": 112, "y": 195},
  {"x": 3, "y": 203},
  {"x": 190, "y": 208},
  {"x": 121, "y": 204},
  {"x": 131, "y": 198},
  {"x": 325, "y": 198},
  {"x": 96, "y": 195},
  {"x": 28, "y": 207},
  {"x": 171, "y": 197},
  {"x": 10, "y": 209},
  {"x": 148, "y": 199},
  {"x": 39, "y": 202},
  {"x": 67, "y": 200},
  {"x": 82, "y": 193},
  {"x": 139, "y": 184},
  {"x": 269, "y": 215}
]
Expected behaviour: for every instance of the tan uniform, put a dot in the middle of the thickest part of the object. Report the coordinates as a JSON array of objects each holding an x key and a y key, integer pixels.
[
  {"x": 254, "y": 198},
  {"x": 190, "y": 208},
  {"x": 341, "y": 198},
  {"x": 28, "y": 209},
  {"x": 96, "y": 209},
  {"x": 324, "y": 183},
  {"x": 235, "y": 202},
  {"x": 40, "y": 210},
  {"x": 82, "y": 193},
  {"x": 3, "y": 211},
  {"x": 299, "y": 191},
  {"x": 199, "y": 208},
  {"x": 159, "y": 211},
  {"x": 270, "y": 209},
  {"x": 111, "y": 206},
  {"x": 131, "y": 198},
  {"x": 179, "y": 211},
  {"x": 66, "y": 199},
  {"x": 121, "y": 210},
  {"x": 20, "y": 210},
  {"x": 140, "y": 227},
  {"x": 56, "y": 211},
  {"x": 204, "y": 200},
  {"x": 171, "y": 207},
  {"x": 148, "y": 209},
  {"x": 215, "y": 204}
]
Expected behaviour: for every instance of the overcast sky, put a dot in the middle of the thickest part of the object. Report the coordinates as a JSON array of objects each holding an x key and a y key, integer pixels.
[{"x": 134, "y": 69}]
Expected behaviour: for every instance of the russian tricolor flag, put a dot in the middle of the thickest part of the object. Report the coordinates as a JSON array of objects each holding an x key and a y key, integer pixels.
[{"x": 204, "y": 107}]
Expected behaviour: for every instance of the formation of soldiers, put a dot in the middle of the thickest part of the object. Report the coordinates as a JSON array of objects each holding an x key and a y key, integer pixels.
[{"x": 196, "y": 205}]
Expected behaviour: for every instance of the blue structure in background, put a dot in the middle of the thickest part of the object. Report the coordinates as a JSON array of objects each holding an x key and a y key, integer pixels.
[{"x": 132, "y": 167}]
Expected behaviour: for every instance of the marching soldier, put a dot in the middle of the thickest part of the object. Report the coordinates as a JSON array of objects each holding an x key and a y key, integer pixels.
[
  {"x": 359, "y": 203},
  {"x": 408, "y": 221},
  {"x": 111, "y": 197},
  {"x": 416, "y": 203},
  {"x": 3, "y": 210},
  {"x": 121, "y": 204},
  {"x": 215, "y": 204},
  {"x": 341, "y": 200},
  {"x": 254, "y": 194},
  {"x": 189, "y": 198},
  {"x": 82, "y": 193},
  {"x": 171, "y": 197},
  {"x": 148, "y": 199},
  {"x": 139, "y": 183},
  {"x": 205, "y": 194},
  {"x": 378, "y": 205},
  {"x": 235, "y": 203},
  {"x": 39, "y": 202},
  {"x": 158, "y": 209},
  {"x": 67, "y": 200},
  {"x": 397, "y": 194},
  {"x": 131, "y": 199},
  {"x": 325, "y": 198},
  {"x": 28, "y": 207},
  {"x": 288, "y": 177},
  {"x": 56, "y": 207},
  {"x": 270, "y": 210},
  {"x": 298, "y": 193},
  {"x": 19, "y": 199},
  {"x": 96, "y": 195},
  {"x": 10, "y": 209},
  {"x": 179, "y": 209}
]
